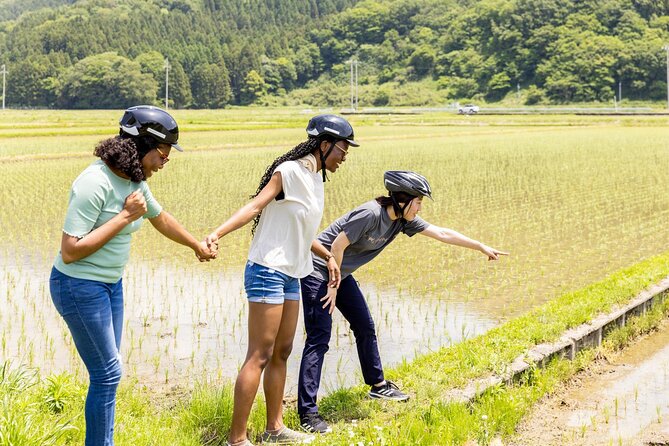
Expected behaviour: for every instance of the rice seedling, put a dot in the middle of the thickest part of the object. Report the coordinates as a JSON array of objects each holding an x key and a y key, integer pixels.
[{"x": 572, "y": 198}]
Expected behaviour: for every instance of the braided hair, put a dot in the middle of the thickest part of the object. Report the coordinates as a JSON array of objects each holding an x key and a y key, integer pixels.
[
  {"x": 125, "y": 153},
  {"x": 299, "y": 151}
]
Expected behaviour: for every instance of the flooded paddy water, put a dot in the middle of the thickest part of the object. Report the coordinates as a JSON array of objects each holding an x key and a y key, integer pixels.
[
  {"x": 624, "y": 401},
  {"x": 571, "y": 203},
  {"x": 183, "y": 325}
]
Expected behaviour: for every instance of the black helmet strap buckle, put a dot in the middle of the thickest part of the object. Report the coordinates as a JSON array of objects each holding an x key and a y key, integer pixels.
[{"x": 324, "y": 157}]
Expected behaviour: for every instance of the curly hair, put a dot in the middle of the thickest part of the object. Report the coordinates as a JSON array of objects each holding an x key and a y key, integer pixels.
[
  {"x": 125, "y": 154},
  {"x": 301, "y": 150}
]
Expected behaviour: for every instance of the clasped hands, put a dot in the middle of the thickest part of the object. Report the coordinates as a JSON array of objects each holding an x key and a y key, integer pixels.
[
  {"x": 207, "y": 248},
  {"x": 205, "y": 253}
]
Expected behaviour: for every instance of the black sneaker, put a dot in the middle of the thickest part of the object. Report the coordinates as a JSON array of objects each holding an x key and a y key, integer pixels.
[
  {"x": 388, "y": 391},
  {"x": 314, "y": 423}
]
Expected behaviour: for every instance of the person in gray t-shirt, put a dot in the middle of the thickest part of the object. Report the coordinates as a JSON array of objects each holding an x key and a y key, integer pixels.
[{"x": 354, "y": 240}]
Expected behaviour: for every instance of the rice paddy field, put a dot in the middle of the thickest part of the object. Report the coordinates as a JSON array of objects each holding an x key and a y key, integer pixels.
[{"x": 573, "y": 198}]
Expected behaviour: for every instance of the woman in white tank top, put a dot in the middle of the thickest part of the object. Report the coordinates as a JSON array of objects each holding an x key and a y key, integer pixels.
[{"x": 286, "y": 210}]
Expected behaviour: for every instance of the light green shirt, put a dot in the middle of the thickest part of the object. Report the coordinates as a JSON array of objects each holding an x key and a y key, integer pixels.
[{"x": 97, "y": 195}]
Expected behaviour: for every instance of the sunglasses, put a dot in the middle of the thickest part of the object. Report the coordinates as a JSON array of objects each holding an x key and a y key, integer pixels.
[
  {"x": 342, "y": 149},
  {"x": 163, "y": 156}
]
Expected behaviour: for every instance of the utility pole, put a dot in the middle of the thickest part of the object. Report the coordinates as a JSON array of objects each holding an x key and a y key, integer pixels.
[
  {"x": 666, "y": 48},
  {"x": 4, "y": 73},
  {"x": 518, "y": 90},
  {"x": 167, "y": 81},
  {"x": 354, "y": 83},
  {"x": 620, "y": 91}
]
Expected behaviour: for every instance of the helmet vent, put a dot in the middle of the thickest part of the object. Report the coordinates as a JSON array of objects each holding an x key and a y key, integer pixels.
[
  {"x": 328, "y": 129},
  {"x": 156, "y": 132},
  {"x": 130, "y": 130}
]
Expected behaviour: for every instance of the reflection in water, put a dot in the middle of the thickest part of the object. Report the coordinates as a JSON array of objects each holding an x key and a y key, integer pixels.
[
  {"x": 183, "y": 325},
  {"x": 619, "y": 409}
]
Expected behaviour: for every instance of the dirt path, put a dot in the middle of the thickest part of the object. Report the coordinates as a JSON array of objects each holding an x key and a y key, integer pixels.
[{"x": 620, "y": 400}]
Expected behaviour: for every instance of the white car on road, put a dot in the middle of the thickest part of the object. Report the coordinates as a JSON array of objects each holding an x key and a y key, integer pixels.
[{"x": 468, "y": 109}]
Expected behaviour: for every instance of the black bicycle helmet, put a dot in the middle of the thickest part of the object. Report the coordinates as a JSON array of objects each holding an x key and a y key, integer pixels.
[
  {"x": 408, "y": 182},
  {"x": 332, "y": 125},
  {"x": 154, "y": 122}
]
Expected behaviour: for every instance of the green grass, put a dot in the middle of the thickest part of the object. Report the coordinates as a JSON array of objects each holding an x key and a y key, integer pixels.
[
  {"x": 50, "y": 411},
  {"x": 430, "y": 419},
  {"x": 572, "y": 198}
]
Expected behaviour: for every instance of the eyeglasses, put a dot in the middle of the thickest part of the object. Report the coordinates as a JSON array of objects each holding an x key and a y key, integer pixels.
[
  {"x": 343, "y": 150},
  {"x": 163, "y": 156}
]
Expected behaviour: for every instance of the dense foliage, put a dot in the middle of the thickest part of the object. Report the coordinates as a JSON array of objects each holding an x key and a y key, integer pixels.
[{"x": 60, "y": 52}]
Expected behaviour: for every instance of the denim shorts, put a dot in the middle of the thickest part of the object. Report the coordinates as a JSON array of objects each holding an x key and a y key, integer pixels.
[{"x": 268, "y": 286}]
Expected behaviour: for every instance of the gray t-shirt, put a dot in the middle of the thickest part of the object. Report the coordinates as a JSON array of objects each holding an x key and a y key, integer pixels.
[{"x": 369, "y": 229}]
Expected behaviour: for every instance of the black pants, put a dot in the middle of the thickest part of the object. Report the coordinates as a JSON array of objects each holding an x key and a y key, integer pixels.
[{"x": 318, "y": 324}]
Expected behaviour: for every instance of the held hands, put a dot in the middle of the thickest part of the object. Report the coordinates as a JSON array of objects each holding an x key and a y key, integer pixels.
[
  {"x": 330, "y": 299},
  {"x": 205, "y": 253},
  {"x": 134, "y": 206},
  {"x": 492, "y": 253},
  {"x": 208, "y": 248},
  {"x": 212, "y": 241}
]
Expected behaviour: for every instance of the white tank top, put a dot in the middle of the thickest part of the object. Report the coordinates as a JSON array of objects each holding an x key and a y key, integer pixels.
[{"x": 287, "y": 227}]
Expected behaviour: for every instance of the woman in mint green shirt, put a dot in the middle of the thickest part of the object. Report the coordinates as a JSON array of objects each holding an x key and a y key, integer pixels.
[{"x": 108, "y": 202}]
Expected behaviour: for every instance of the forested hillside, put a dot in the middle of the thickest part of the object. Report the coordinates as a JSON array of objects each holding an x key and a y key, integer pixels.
[{"x": 111, "y": 53}]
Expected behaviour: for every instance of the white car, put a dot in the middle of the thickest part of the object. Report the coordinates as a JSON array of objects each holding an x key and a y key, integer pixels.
[{"x": 468, "y": 109}]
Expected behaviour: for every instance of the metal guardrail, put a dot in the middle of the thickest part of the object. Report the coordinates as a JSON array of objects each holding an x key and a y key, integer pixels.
[{"x": 507, "y": 110}]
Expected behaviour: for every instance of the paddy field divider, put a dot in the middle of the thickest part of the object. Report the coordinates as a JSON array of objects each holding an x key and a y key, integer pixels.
[{"x": 572, "y": 341}]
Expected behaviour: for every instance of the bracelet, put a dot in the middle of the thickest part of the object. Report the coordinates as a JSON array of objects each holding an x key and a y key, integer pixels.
[{"x": 328, "y": 257}]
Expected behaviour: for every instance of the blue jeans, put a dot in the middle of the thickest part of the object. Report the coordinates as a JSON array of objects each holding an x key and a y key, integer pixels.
[
  {"x": 318, "y": 325},
  {"x": 93, "y": 312}
]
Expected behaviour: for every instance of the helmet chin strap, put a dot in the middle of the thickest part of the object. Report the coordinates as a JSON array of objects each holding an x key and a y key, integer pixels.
[
  {"x": 324, "y": 157},
  {"x": 397, "y": 205}
]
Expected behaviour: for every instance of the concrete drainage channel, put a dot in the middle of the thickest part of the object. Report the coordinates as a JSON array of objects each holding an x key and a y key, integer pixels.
[{"x": 571, "y": 342}]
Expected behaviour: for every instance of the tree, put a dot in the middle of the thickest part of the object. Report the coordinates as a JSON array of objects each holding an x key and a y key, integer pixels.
[
  {"x": 307, "y": 61},
  {"x": 153, "y": 64},
  {"x": 459, "y": 87},
  {"x": 580, "y": 66},
  {"x": 210, "y": 86},
  {"x": 287, "y": 72},
  {"x": 422, "y": 60},
  {"x": 180, "y": 91},
  {"x": 106, "y": 80},
  {"x": 35, "y": 81},
  {"x": 498, "y": 85},
  {"x": 254, "y": 87}
]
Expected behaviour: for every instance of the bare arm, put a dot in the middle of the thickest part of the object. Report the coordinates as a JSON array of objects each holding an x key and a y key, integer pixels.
[
  {"x": 339, "y": 245},
  {"x": 248, "y": 212},
  {"x": 74, "y": 248},
  {"x": 452, "y": 237},
  {"x": 336, "y": 257},
  {"x": 167, "y": 225}
]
